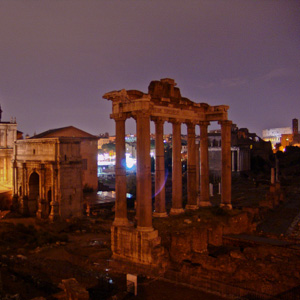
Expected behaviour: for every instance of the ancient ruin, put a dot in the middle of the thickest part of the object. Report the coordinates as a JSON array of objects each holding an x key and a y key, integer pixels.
[
  {"x": 47, "y": 178},
  {"x": 163, "y": 103},
  {"x": 88, "y": 151},
  {"x": 8, "y": 135}
]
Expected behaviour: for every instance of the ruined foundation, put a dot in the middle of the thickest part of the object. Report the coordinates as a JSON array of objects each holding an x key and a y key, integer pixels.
[{"x": 130, "y": 244}]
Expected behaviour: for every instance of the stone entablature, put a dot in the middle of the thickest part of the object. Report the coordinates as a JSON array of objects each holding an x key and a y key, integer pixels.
[
  {"x": 164, "y": 103},
  {"x": 170, "y": 107},
  {"x": 47, "y": 177},
  {"x": 48, "y": 149}
]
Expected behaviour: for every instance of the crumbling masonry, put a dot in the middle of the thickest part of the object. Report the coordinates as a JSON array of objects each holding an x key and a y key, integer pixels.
[{"x": 163, "y": 103}]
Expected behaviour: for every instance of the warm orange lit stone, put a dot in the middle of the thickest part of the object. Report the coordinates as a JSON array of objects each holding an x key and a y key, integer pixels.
[
  {"x": 226, "y": 164},
  {"x": 204, "y": 166},
  {"x": 160, "y": 194},
  {"x": 162, "y": 103}
]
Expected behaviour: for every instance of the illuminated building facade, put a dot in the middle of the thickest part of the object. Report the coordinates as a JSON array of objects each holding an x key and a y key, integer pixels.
[{"x": 8, "y": 135}]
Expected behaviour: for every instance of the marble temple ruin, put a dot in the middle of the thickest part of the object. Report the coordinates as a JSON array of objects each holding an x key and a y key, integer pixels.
[{"x": 163, "y": 103}]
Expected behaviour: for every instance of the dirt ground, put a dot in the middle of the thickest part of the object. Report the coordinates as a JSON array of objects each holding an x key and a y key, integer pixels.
[
  {"x": 33, "y": 263},
  {"x": 35, "y": 256}
]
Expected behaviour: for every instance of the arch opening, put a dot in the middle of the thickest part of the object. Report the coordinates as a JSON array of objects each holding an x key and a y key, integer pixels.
[{"x": 34, "y": 193}]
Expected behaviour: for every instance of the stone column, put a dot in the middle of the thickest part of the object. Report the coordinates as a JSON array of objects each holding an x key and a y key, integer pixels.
[
  {"x": 204, "y": 164},
  {"x": 120, "y": 170},
  {"x": 54, "y": 214},
  {"x": 226, "y": 164},
  {"x": 15, "y": 199},
  {"x": 14, "y": 183},
  {"x": 41, "y": 201},
  {"x": 143, "y": 174},
  {"x": 25, "y": 181},
  {"x": 160, "y": 194},
  {"x": 24, "y": 199},
  {"x": 191, "y": 169},
  {"x": 5, "y": 170},
  {"x": 198, "y": 172},
  {"x": 238, "y": 160},
  {"x": 176, "y": 170}
]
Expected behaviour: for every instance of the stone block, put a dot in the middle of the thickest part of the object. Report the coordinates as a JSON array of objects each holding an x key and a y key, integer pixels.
[
  {"x": 215, "y": 236},
  {"x": 73, "y": 290},
  {"x": 137, "y": 246},
  {"x": 199, "y": 240}
]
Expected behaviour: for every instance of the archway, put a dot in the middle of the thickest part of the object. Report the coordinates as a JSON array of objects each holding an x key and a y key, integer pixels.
[{"x": 34, "y": 181}]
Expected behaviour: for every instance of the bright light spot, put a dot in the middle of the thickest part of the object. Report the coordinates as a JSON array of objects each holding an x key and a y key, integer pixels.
[{"x": 130, "y": 162}]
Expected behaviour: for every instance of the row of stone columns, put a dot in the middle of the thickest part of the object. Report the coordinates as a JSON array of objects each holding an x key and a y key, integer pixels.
[{"x": 143, "y": 176}]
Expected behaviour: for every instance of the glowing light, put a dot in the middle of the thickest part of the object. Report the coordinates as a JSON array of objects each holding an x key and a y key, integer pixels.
[
  {"x": 160, "y": 188},
  {"x": 130, "y": 162}
]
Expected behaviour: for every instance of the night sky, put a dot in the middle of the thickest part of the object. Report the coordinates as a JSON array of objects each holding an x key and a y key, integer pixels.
[{"x": 58, "y": 57}]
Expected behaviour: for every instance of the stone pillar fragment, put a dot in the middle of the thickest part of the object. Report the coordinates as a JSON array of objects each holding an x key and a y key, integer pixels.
[
  {"x": 204, "y": 165},
  {"x": 54, "y": 214},
  {"x": 198, "y": 173},
  {"x": 160, "y": 195},
  {"x": 41, "y": 200},
  {"x": 24, "y": 209},
  {"x": 226, "y": 164},
  {"x": 176, "y": 170},
  {"x": 191, "y": 169},
  {"x": 143, "y": 175},
  {"x": 120, "y": 170}
]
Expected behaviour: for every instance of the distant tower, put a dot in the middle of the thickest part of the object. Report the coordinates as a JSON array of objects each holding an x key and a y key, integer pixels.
[
  {"x": 0, "y": 113},
  {"x": 295, "y": 126}
]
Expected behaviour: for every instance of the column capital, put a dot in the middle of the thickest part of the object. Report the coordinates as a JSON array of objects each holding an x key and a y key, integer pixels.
[
  {"x": 225, "y": 123},
  {"x": 140, "y": 113},
  {"x": 158, "y": 119},
  {"x": 175, "y": 121},
  {"x": 203, "y": 123},
  {"x": 190, "y": 123},
  {"x": 119, "y": 117}
]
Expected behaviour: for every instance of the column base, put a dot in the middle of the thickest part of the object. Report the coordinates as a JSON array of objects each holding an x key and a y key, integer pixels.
[
  {"x": 160, "y": 214},
  {"x": 24, "y": 209},
  {"x": 54, "y": 215},
  {"x": 122, "y": 222},
  {"x": 272, "y": 188},
  {"x": 176, "y": 211},
  {"x": 54, "y": 218},
  {"x": 191, "y": 206},
  {"x": 205, "y": 204},
  {"x": 133, "y": 245},
  {"x": 226, "y": 206},
  {"x": 144, "y": 229}
]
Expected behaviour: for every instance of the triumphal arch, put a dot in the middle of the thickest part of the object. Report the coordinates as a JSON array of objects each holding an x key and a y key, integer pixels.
[
  {"x": 163, "y": 103},
  {"x": 47, "y": 178}
]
